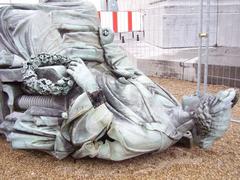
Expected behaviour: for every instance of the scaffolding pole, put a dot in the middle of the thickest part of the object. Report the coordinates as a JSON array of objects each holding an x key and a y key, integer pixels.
[
  {"x": 200, "y": 49},
  {"x": 207, "y": 48}
]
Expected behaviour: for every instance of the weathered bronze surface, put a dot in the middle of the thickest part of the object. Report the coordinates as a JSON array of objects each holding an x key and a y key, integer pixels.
[{"x": 78, "y": 94}]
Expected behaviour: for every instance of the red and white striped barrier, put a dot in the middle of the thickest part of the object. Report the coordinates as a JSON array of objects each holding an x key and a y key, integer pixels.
[{"x": 125, "y": 21}]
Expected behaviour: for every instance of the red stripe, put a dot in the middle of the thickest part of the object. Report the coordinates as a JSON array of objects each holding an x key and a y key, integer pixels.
[
  {"x": 115, "y": 22},
  {"x": 129, "y": 21}
]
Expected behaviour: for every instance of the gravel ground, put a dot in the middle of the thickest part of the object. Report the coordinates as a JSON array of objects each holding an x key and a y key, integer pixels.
[{"x": 220, "y": 162}]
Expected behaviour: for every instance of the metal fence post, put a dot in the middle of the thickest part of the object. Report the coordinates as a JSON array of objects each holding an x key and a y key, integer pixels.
[
  {"x": 207, "y": 48},
  {"x": 200, "y": 48}
]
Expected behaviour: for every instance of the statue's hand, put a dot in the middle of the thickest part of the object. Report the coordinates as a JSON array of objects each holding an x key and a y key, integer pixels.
[{"x": 82, "y": 76}]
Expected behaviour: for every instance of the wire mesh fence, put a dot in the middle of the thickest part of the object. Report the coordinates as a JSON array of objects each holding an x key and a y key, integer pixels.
[
  {"x": 169, "y": 41},
  {"x": 176, "y": 34}
]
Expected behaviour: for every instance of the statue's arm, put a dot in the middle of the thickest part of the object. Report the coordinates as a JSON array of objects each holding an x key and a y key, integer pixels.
[{"x": 115, "y": 57}]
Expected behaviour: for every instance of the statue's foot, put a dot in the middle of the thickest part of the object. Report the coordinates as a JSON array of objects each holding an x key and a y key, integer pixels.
[{"x": 212, "y": 117}]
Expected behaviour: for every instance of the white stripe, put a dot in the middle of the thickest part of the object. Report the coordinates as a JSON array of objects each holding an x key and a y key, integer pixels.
[
  {"x": 122, "y": 21},
  {"x": 106, "y": 20}
]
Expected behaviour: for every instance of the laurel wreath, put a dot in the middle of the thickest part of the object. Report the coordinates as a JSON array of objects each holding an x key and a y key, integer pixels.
[{"x": 33, "y": 85}]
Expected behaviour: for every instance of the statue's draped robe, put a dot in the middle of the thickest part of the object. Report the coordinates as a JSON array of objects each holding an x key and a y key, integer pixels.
[{"x": 138, "y": 117}]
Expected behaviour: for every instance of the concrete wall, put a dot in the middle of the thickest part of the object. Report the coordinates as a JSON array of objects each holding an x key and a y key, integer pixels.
[
  {"x": 228, "y": 23},
  {"x": 175, "y": 23}
]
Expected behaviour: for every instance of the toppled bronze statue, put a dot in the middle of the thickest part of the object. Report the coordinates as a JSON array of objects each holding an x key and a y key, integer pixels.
[{"x": 68, "y": 90}]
